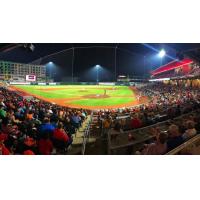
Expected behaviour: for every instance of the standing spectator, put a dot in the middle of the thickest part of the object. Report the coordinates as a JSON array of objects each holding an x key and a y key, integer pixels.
[{"x": 107, "y": 122}]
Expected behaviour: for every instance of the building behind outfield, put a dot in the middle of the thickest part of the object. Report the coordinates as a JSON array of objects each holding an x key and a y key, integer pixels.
[{"x": 12, "y": 71}]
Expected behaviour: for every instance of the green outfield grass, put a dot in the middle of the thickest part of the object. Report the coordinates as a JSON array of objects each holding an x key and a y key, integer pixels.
[
  {"x": 117, "y": 94},
  {"x": 103, "y": 102}
]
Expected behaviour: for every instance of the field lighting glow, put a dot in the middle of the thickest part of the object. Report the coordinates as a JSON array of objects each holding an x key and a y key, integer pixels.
[
  {"x": 97, "y": 66},
  {"x": 162, "y": 53},
  {"x": 50, "y": 62}
]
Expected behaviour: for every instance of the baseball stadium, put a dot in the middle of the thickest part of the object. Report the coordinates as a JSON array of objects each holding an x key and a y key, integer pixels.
[{"x": 99, "y": 99}]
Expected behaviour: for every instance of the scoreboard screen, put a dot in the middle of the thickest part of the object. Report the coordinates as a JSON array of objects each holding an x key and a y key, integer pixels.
[{"x": 30, "y": 78}]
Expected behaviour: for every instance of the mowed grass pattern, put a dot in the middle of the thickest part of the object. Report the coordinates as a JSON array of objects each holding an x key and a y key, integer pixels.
[
  {"x": 117, "y": 94},
  {"x": 103, "y": 102}
]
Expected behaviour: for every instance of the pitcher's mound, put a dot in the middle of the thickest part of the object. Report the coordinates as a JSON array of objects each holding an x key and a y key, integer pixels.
[{"x": 96, "y": 96}]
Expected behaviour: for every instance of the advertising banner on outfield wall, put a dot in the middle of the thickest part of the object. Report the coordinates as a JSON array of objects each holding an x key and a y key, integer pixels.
[
  {"x": 106, "y": 83},
  {"x": 19, "y": 83}
]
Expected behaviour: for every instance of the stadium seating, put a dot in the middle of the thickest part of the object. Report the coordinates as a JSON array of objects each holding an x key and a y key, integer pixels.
[{"x": 32, "y": 126}]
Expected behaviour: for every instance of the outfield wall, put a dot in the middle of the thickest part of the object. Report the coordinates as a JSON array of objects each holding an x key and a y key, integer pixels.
[{"x": 75, "y": 83}]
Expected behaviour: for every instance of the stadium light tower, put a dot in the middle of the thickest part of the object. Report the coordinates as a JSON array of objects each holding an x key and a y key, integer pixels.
[
  {"x": 50, "y": 66},
  {"x": 97, "y": 70}
]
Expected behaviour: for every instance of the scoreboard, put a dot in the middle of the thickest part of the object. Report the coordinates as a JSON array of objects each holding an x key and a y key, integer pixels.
[{"x": 30, "y": 78}]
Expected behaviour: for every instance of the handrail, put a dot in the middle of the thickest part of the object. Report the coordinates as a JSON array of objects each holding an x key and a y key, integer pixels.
[
  {"x": 86, "y": 134},
  {"x": 182, "y": 146},
  {"x": 110, "y": 148}
]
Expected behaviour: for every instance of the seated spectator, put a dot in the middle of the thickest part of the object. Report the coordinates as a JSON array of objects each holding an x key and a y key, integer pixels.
[
  {"x": 2, "y": 112},
  {"x": 29, "y": 144},
  {"x": 29, "y": 115},
  {"x": 46, "y": 127},
  {"x": 157, "y": 148},
  {"x": 60, "y": 138},
  {"x": 45, "y": 146},
  {"x": 191, "y": 131},
  {"x": 76, "y": 120},
  {"x": 175, "y": 138},
  {"x": 3, "y": 136},
  {"x": 3, "y": 149},
  {"x": 136, "y": 122},
  {"x": 69, "y": 126}
]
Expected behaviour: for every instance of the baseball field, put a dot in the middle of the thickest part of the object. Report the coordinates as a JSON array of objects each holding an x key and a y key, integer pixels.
[{"x": 83, "y": 96}]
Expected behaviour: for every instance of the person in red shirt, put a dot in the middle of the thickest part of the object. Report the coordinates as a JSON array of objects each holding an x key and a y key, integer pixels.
[
  {"x": 45, "y": 146},
  {"x": 60, "y": 134},
  {"x": 3, "y": 149},
  {"x": 60, "y": 138},
  {"x": 3, "y": 136},
  {"x": 136, "y": 122}
]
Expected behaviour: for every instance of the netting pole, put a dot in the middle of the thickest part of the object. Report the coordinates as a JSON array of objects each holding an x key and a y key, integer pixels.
[
  {"x": 72, "y": 64},
  {"x": 144, "y": 66},
  {"x": 115, "y": 63}
]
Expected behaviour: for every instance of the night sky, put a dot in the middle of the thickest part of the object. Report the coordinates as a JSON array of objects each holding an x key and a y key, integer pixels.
[{"x": 132, "y": 59}]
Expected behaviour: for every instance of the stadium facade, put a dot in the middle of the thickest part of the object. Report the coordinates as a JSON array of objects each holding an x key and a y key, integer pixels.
[{"x": 11, "y": 71}]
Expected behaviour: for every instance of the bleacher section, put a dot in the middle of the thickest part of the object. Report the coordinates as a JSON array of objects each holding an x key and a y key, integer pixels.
[{"x": 129, "y": 142}]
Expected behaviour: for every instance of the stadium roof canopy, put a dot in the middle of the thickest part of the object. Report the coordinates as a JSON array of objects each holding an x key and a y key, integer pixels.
[{"x": 172, "y": 65}]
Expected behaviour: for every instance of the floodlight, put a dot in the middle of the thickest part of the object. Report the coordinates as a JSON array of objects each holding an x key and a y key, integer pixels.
[{"x": 162, "y": 53}]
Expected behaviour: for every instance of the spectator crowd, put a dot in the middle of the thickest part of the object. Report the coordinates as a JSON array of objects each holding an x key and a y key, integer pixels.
[
  {"x": 166, "y": 102},
  {"x": 36, "y": 127},
  {"x": 33, "y": 126}
]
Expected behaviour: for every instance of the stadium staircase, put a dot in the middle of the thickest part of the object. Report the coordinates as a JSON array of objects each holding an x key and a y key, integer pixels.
[
  {"x": 99, "y": 146},
  {"x": 82, "y": 138}
]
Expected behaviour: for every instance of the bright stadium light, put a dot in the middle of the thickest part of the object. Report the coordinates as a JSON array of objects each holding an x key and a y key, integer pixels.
[
  {"x": 50, "y": 62},
  {"x": 97, "y": 71},
  {"x": 162, "y": 53}
]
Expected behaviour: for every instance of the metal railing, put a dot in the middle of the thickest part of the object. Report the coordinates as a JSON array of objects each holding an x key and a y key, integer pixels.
[
  {"x": 116, "y": 148},
  {"x": 185, "y": 145},
  {"x": 86, "y": 134}
]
